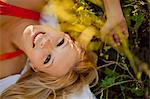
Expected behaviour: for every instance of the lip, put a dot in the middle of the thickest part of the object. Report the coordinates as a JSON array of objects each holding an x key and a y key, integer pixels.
[{"x": 34, "y": 36}]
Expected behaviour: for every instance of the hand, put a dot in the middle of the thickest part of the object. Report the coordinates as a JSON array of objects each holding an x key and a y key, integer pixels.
[{"x": 110, "y": 30}]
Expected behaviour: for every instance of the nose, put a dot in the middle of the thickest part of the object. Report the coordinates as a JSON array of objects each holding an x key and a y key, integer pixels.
[
  {"x": 47, "y": 44},
  {"x": 54, "y": 36},
  {"x": 51, "y": 39}
]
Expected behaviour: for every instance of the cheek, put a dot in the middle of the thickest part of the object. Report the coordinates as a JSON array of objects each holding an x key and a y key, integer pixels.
[
  {"x": 58, "y": 71},
  {"x": 59, "y": 68},
  {"x": 36, "y": 59},
  {"x": 62, "y": 70},
  {"x": 63, "y": 63}
]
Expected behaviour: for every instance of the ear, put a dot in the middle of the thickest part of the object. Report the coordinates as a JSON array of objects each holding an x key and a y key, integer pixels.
[{"x": 32, "y": 66}]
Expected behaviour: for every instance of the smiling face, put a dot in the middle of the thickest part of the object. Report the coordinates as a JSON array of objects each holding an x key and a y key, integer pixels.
[{"x": 50, "y": 51}]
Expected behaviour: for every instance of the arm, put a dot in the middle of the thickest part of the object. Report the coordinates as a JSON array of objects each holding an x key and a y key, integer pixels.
[
  {"x": 115, "y": 20},
  {"x": 113, "y": 8}
]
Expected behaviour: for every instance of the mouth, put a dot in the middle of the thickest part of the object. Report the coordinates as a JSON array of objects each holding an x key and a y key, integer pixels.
[{"x": 34, "y": 37}]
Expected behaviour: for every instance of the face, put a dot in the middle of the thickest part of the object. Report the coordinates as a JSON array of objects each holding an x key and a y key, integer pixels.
[{"x": 50, "y": 51}]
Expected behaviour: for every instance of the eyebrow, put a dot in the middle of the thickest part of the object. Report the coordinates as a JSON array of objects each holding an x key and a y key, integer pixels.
[{"x": 70, "y": 37}]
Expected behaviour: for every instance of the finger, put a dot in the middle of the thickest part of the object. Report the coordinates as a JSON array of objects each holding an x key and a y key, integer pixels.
[
  {"x": 125, "y": 29},
  {"x": 116, "y": 39},
  {"x": 125, "y": 32},
  {"x": 111, "y": 39},
  {"x": 112, "y": 42}
]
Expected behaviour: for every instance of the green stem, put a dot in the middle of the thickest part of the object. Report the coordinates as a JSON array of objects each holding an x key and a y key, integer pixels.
[
  {"x": 117, "y": 83},
  {"x": 128, "y": 53}
]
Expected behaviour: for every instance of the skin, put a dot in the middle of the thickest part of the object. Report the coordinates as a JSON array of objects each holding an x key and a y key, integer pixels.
[
  {"x": 12, "y": 28},
  {"x": 49, "y": 51},
  {"x": 115, "y": 21}
]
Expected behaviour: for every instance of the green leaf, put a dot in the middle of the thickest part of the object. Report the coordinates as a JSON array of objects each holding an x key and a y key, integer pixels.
[
  {"x": 127, "y": 16},
  {"x": 110, "y": 73},
  {"x": 137, "y": 91},
  {"x": 108, "y": 81},
  {"x": 106, "y": 57},
  {"x": 106, "y": 48},
  {"x": 138, "y": 20}
]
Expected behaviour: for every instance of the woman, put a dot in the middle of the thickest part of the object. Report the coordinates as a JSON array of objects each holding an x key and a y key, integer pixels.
[
  {"x": 15, "y": 15},
  {"x": 61, "y": 69},
  {"x": 16, "y": 62}
]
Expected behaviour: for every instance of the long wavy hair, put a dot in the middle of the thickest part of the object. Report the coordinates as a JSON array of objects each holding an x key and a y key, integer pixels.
[{"x": 38, "y": 85}]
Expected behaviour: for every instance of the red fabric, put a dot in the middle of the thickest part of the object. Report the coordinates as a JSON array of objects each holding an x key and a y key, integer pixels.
[
  {"x": 10, "y": 55},
  {"x": 10, "y": 10}
]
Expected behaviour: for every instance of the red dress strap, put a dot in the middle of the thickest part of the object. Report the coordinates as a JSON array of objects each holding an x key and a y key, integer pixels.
[
  {"x": 10, "y": 10},
  {"x": 11, "y": 55}
]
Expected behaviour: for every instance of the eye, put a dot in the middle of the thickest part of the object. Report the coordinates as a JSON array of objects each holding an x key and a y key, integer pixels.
[
  {"x": 47, "y": 59},
  {"x": 61, "y": 42}
]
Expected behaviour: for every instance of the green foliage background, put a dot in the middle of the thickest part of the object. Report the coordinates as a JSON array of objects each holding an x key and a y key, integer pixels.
[{"x": 117, "y": 78}]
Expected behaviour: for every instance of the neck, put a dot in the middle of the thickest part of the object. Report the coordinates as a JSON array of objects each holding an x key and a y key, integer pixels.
[
  {"x": 7, "y": 30},
  {"x": 14, "y": 33}
]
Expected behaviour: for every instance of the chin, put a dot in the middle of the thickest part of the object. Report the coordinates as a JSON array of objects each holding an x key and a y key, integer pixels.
[{"x": 27, "y": 44}]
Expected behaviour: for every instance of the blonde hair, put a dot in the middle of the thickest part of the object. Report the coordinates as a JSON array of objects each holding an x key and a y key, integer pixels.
[{"x": 37, "y": 85}]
